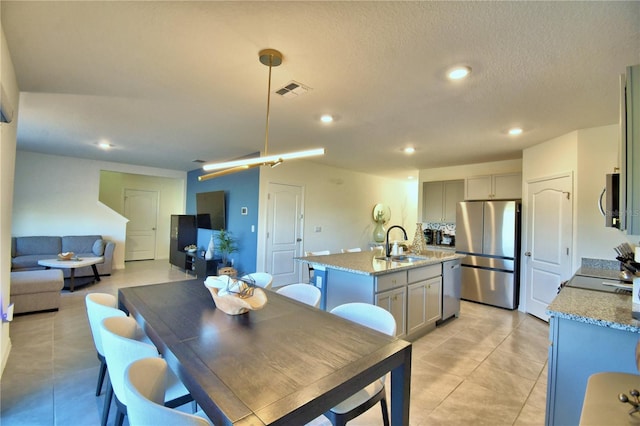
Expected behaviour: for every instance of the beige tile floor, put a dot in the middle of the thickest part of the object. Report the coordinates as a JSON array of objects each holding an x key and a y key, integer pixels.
[{"x": 487, "y": 367}]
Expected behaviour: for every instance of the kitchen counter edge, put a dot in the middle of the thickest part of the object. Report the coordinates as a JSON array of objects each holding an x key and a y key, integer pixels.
[
  {"x": 612, "y": 310},
  {"x": 365, "y": 263}
]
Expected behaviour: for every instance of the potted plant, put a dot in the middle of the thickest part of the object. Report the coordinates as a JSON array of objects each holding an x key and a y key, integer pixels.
[{"x": 227, "y": 244}]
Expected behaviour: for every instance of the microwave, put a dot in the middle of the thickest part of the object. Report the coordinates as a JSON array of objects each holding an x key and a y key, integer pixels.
[{"x": 610, "y": 206}]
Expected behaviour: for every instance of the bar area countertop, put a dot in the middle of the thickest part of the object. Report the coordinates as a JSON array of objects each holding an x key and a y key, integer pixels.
[
  {"x": 611, "y": 310},
  {"x": 368, "y": 262}
]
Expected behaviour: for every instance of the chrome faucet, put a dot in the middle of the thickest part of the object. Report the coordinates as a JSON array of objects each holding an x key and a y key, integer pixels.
[{"x": 387, "y": 247}]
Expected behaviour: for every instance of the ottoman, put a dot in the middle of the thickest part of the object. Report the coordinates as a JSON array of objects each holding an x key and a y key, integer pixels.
[{"x": 33, "y": 291}]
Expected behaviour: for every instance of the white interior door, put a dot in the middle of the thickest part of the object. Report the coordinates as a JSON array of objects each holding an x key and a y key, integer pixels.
[
  {"x": 284, "y": 233},
  {"x": 141, "y": 208},
  {"x": 549, "y": 235}
]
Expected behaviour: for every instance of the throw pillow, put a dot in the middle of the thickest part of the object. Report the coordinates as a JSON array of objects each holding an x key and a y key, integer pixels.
[{"x": 98, "y": 247}]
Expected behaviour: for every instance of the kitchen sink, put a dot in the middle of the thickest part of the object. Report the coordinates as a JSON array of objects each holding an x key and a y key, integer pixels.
[{"x": 402, "y": 258}]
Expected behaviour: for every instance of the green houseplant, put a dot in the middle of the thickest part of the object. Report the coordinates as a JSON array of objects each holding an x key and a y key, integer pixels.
[{"x": 227, "y": 244}]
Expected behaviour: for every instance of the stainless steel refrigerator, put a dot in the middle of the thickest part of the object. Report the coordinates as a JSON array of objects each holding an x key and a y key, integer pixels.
[{"x": 488, "y": 233}]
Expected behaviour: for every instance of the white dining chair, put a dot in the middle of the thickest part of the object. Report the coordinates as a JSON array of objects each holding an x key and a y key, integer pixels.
[
  {"x": 261, "y": 279},
  {"x": 120, "y": 350},
  {"x": 100, "y": 306},
  {"x": 315, "y": 253},
  {"x": 378, "y": 319},
  {"x": 302, "y": 292},
  {"x": 145, "y": 387},
  {"x": 352, "y": 250}
]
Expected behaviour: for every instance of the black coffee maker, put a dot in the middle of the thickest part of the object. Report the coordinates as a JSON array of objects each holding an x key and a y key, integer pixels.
[{"x": 428, "y": 236}]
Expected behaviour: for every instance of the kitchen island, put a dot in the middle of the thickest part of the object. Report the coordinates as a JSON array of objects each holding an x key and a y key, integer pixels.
[
  {"x": 590, "y": 331},
  {"x": 409, "y": 286}
]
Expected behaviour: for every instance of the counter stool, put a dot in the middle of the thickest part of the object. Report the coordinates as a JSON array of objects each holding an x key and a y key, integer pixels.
[
  {"x": 315, "y": 253},
  {"x": 601, "y": 405}
]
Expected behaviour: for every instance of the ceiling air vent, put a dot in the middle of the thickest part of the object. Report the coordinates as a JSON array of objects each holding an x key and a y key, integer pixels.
[{"x": 293, "y": 89}]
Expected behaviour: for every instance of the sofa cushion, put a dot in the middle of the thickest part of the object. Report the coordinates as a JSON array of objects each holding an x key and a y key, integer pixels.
[
  {"x": 29, "y": 261},
  {"x": 38, "y": 245},
  {"x": 29, "y": 282},
  {"x": 79, "y": 244},
  {"x": 98, "y": 247}
]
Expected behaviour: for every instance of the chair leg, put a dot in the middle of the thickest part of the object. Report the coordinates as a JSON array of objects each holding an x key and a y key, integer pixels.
[
  {"x": 101, "y": 374},
  {"x": 385, "y": 411},
  {"x": 107, "y": 403},
  {"x": 119, "y": 418}
]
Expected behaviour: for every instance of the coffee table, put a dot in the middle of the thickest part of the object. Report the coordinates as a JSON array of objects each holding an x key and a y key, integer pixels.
[{"x": 72, "y": 265}]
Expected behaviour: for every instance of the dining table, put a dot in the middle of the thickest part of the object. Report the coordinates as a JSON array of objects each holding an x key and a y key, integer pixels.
[{"x": 284, "y": 364}]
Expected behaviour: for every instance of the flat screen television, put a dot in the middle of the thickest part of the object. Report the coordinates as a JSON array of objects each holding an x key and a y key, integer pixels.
[{"x": 210, "y": 210}]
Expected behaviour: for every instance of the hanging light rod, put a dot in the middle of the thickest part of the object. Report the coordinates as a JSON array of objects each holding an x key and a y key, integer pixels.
[{"x": 271, "y": 58}]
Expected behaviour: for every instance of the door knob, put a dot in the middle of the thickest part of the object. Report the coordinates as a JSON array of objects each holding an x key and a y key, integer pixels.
[
  {"x": 527, "y": 253},
  {"x": 298, "y": 239}
]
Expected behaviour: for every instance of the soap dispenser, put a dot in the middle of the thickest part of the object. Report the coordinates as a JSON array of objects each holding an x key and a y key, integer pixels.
[{"x": 394, "y": 250}]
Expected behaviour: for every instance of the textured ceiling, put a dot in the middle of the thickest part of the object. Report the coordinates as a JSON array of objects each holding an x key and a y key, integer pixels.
[{"x": 169, "y": 82}]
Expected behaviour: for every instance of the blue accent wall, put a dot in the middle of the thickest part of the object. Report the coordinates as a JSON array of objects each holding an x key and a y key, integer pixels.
[{"x": 241, "y": 190}]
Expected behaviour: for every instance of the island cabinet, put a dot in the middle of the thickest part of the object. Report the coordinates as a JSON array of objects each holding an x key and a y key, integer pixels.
[
  {"x": 507, "y": 186},
  {"x": 590, "y": 332},
  {"x": 424, "y": 295},
  {"x": 413, "y": 296}
]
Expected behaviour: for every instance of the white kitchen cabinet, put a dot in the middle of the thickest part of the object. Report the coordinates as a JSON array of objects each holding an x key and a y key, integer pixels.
[
  {"x": 424, "y": 297},
  {"x": 395, "y": 301},
  {"x": 507, "y": 186},
  {"x": 434, "y": 298},
  {"x": 630, "y": 176},
  {"x": 439, "y": 200},
  {"x": 423, "y": 303}
]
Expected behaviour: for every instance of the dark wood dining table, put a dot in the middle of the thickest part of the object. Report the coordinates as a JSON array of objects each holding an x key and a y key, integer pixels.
[{"x": 284, "y": 364}]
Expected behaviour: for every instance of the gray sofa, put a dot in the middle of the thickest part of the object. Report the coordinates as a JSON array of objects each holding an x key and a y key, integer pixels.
[{"x": 26, "y": 251}]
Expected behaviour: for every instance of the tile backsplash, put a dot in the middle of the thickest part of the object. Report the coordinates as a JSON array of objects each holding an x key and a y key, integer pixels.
[{"x": 447, "y": 228}]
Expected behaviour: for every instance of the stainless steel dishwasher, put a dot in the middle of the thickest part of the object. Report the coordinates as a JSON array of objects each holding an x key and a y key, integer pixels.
[{"x": 451, "y": 286}]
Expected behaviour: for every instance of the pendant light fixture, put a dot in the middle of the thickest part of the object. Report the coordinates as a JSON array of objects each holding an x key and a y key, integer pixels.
[{"x": 271, "y": 58}]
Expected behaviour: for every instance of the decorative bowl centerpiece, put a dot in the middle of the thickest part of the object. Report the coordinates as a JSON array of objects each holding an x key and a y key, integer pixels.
[
  {"x": 191, "y": 248},
  {"x": 67, "y": 255},
  {"x": 235, "y": 296}
]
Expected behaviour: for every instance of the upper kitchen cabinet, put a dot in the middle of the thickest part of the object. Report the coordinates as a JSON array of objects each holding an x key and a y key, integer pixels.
[
  {"x": 507, "y": 186},
  {"x": 439, "y": 200},
  {"x": 630, "y": 177}
]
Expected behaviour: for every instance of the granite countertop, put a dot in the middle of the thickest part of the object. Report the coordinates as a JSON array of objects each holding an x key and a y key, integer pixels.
[
  {"x": 612, "y": 310},
  {"x": 365, "y": 262}
]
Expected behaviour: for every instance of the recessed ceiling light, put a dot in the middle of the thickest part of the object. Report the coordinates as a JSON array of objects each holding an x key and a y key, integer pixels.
[
  {"x": 515, "y": 131},
  {"x": 104, "y": 145},
  {"x": 410, "y": 177},
  {"x": 409, "y": 150},
  {"x": 326, "y": 118},
  {"x": 459, "y": 73}
]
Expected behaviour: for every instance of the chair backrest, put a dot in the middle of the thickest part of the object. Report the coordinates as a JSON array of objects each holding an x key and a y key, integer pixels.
[
  {"x": 145, "y": 386},
  {"x": 371, "y": 316},
  {"x": 100, "y": 306},
  {"x": 305, "y": 293},
  {"x": 317, "y": 253},
  {"x": 352, "y": 250},
  {"x": 262, "y": 279},
  {"x": 121, "y": 349}
]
